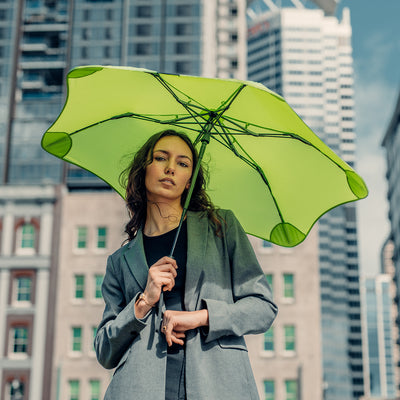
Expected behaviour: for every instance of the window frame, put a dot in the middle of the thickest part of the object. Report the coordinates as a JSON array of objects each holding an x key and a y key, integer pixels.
[
  {"x": 78, "y": 238},
  {"x": 76, "y": 340},
  {"x": 288, "y": 289},
  {"x": 19, "y": 355}
]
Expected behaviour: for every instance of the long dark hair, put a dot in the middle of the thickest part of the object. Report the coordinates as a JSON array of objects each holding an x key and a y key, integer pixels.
[{"x": 133, "y": 178}]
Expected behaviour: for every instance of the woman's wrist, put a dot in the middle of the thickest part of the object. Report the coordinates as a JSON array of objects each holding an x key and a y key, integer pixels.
[
  {"x": 142, "y": 306},
  {"x": 203, "y": 317}
]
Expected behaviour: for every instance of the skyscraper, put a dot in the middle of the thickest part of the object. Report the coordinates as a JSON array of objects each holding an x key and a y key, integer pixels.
[
  {"x": 37, "y": 54},
  {"x": 378, "y": 337},
  {"x": 306, "y": 55},
  {"x": 391, "y": 143}
]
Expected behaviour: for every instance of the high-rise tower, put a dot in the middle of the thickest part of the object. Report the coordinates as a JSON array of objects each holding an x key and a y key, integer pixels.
[{"x": 306, "y": 56}]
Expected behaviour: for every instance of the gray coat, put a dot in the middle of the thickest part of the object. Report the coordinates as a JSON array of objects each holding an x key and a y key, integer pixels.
[{"x": 223, "y": 275}]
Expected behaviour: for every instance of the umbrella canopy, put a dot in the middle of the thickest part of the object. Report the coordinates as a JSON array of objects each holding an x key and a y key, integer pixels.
[{"x": 265, "y": 163}]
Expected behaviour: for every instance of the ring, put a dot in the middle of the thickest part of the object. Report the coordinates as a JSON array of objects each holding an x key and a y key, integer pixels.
[{"x": 164, "y": 328}]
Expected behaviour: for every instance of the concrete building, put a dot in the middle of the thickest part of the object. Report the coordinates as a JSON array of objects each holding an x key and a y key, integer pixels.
[
  {"x": 287, "y": 359},
  {"x": 26, "y": 225},
  {"x": 391, "y": 143},
  {"x": 92, "y": 228},
  {"x": 378, "y": 338},
  {"x": 306, "y": 55}
]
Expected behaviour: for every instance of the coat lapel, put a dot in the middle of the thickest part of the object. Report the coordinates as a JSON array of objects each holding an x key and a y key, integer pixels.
[
  {"x": 136, "y": 260},
  {"x": 197, "y": 226}
]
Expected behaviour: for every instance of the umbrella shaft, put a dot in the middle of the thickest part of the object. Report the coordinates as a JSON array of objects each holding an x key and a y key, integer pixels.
[{"x": 204, "y": 143}]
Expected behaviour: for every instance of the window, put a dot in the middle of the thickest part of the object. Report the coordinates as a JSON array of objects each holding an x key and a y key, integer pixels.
[
  {"x": 82, "y": 237},
  {"x": 98, "y": 280},
  {"x": 233, "y": 11},
  {"x": 17, "y": 389},
  {"x": 95, "y": 390},
  {"x": 85, "y": 34},
  {"x": 182, "y": 67},
  {"x": 291, "y": 390},
  {"x": 269, "y": 340},
  {"x": 290, "y": 340},
  {"x": 19, "y": 345},
  {"x": 107, "y": 52},
  {"x": 183, "y": 10},
  {"x": 109, "y": 14},
  {"x": 101, "y": 237},
  {"x": 86, "y": 15},
  {"x": 143, "y": 30},
  {"x": 27, "y": 238},
  {"x": 183, "y": 29},
  {"x": 269, "y": 390},
  {"x": 108, "y": 33},
  {"x": 77, "y": 338},
  {"x": 79, "y": 286},
  {"x": 182, "y": 48},
  {"x": 143, "y": 49},
  {"x": 288, "y": 286},
  {"x": 73, "y": 390},
  {"x": 143, "y": 11},
  {"x": 84, "y": 52},
  {"x": 266, "y": 244},
  {"x": 23, "y": 289}
]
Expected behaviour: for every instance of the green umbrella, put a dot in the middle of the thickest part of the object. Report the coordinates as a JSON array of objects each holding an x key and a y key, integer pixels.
[{"x": 265, "y": 163}]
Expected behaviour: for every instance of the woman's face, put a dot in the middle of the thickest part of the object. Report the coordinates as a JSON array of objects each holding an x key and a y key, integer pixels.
[{"x": 169, "y": 173}]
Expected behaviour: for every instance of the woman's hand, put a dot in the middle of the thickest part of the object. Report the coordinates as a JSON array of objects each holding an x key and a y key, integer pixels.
[
  {"x": 176, "y": 323},
  {"x": 161, "y": 276}
]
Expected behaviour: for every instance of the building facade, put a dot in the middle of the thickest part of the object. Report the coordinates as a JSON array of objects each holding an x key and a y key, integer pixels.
[
  {"x": 26, "y": 225},
  {"x": 306, "y": 56},
  {"x": 391, "y": 143},
  {"x": 379, "y": 342},
  {"x": 92, "y": 228},
  {"x": 286, "y": 360}
]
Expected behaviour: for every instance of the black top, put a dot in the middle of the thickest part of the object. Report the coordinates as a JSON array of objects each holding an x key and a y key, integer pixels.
[{"x": 156, "y": 247}]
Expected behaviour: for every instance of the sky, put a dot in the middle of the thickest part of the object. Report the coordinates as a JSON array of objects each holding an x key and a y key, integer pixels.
[{"x": 376, "y": 52}]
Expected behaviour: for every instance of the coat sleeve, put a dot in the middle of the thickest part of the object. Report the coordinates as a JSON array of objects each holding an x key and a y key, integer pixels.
[
  {"x": 252, "y": 310},
  {"x": 119, "y": 326}
]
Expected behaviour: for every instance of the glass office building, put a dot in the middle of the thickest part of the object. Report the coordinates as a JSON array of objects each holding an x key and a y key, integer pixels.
[
  {"x": 379, "y": 339},
  {"x": 306, "y": 56}
]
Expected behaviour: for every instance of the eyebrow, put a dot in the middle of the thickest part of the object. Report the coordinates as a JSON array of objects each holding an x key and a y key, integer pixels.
[{"x": 167, "y": 152}]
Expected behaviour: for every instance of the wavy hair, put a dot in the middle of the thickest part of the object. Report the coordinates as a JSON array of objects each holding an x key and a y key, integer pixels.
[{"x": 133, "y": 178}]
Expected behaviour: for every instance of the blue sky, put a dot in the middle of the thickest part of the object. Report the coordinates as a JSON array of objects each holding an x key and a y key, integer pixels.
[{"x": 376, "y": 51}]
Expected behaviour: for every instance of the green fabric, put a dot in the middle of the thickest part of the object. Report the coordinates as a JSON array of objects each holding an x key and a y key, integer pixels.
[{"x": 265, "y": 163}]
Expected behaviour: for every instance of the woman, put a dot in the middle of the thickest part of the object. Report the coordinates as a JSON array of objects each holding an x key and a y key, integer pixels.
[{"x": 214, "y": 289}]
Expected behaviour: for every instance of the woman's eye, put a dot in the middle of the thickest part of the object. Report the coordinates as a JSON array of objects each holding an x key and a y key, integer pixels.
[
  {"x": 159, "y": 158},
  {"x": 182, "y": 164}
]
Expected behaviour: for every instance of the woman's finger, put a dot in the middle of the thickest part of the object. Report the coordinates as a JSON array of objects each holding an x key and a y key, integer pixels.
[
  {"x": 166, "y": 260},
  {"x": 155, "y": 269}
]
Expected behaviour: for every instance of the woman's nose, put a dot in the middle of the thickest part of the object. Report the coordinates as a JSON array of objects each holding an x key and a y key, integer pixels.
[{"x": 169, "y": 170}]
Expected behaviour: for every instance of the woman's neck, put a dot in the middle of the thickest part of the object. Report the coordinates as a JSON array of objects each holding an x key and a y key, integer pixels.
[{"x": 161, "y": 218}]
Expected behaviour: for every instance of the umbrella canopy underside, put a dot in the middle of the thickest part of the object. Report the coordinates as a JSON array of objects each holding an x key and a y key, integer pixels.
[{"x": 265, "y": 164}]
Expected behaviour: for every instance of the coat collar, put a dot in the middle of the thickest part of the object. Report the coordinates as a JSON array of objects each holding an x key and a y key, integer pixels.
[{"x": 197, "y": 226}]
